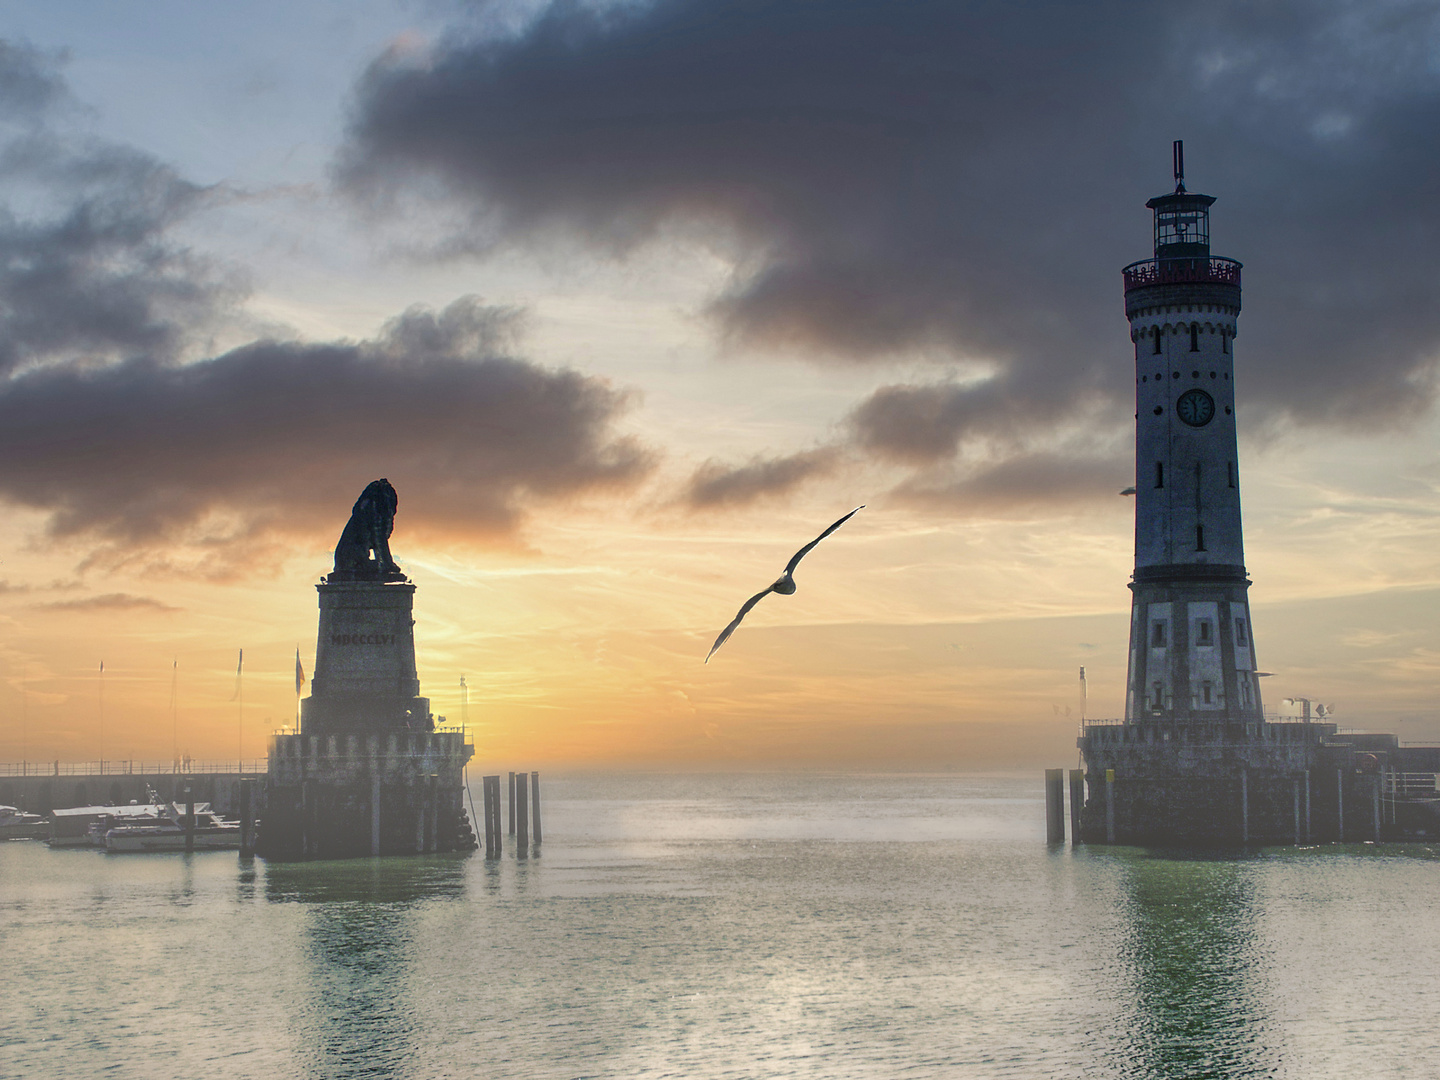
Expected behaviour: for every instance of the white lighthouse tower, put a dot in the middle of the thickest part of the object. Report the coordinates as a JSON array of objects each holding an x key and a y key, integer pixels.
[
  {"x": 1193, "y": 761},
  {"x": 1192, "y": 653}
]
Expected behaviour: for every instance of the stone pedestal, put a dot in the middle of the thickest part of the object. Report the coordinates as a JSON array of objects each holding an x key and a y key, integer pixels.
[
  {"x": 365, "y": 679},
  {"x": 367, "y": 774}
]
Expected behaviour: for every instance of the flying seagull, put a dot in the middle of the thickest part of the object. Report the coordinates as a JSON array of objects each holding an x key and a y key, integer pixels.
[{"x": 784, "y": 584}]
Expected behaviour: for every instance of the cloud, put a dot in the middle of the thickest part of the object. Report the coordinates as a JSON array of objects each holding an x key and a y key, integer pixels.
[
  {"x": 109, "y": 602},
  {"x": 716, "y": 484},
  {"x": 1029, "y": 482},
  {"x": 88, "y": 271},
  {"x": 277, "y": 438},
  {"x": 962, "y": 180}
]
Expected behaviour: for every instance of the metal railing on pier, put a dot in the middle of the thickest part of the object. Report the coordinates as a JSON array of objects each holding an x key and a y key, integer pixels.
[{"x": 183, "y": 767}]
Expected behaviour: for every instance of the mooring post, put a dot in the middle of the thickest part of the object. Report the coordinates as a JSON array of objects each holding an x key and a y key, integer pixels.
[
  {"x": 1244, "y": 805},
  {"x": 374, "y": 813},
  {"x": 1077, "y": 803},
  {"x": 496, "y": 811},
  {"x": 511, "y": 819},
  {"x": 522, "y": 814},
  {"x": 1054, "y": 806},
  {"x": 485, "y": 816},
  {"x": 432, "y": 813},
  {"x": 1307, "y": 806},
  {"x": 247, "y": 819},
  {"x": 1109, "y": 806},
  {"x": 491, "y": 787},
  {"x": 1340, "y": 804},
  {"x": 1295, "y": 790},
  {"x": 1375, "y": 803},
  {"x": 190, "y": 814},
  {"x": 535, "y": 805}
]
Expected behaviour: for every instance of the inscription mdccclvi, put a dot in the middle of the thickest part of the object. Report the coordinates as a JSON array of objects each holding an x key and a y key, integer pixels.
[{"x": 362, "y": 639}]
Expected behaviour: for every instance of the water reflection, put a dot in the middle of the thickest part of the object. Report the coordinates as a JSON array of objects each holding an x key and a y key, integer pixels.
[
  {"x": 1197, "y": 973},
  {"x": 357, "y": 954}
]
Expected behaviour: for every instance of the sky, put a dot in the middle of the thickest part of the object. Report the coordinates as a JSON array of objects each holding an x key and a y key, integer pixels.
[{"x": 630, "y": 300}]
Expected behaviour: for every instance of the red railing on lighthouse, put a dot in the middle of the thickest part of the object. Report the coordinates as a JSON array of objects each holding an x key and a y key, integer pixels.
[{"x": 1215, "y": 271}]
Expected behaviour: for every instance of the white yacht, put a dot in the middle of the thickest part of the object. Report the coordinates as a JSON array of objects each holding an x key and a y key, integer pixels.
[
  {"x": 170, "y": 831},
  {"x": 15, "y": 824}
]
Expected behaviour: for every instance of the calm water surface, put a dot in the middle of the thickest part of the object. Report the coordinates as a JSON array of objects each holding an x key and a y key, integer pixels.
[{"x": 739, "y": 926}]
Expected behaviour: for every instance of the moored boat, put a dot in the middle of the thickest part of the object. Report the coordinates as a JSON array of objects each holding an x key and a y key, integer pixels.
[
  {"x": 85, "y": 826},
  {"x": 16, "y": 824},
  {"x": 171, "y": 832}
]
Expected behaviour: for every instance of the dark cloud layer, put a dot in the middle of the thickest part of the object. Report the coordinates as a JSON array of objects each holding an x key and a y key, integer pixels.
[
  {"x": 966, "y": 179},
  {"x": 281, "y": 437},
  {"x": 124, "y": 442},
  {"x": 87, "y": 270},
  {"x": 1041, "y": 481},
  {"x": 715, "y": 484}
]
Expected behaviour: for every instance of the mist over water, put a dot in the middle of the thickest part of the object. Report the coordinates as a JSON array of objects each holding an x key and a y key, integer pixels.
[{"x": 729, "y": 926}]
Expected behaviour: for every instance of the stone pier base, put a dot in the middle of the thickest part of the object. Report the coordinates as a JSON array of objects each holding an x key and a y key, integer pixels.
[{"x": 348, "y": 796}]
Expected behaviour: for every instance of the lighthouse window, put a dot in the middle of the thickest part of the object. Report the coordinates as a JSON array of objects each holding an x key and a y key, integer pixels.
[
  {"x": 1157, "y": 339},
  {"x": 1157, "y": 635},
  {"x": 1225, "y": 343},
  {"x": 1240, "y": 632},
  {"x": 1202, "y": 635},
  {"x": 1157, "y": 702},
  {"x": 1205, "y": 693},
  {"x": 1159, "y": 474},
  {"x": 1199, "y": 537},
  {"x": 1230, "y": 472},
  {"x": 1194, "y": 337}
]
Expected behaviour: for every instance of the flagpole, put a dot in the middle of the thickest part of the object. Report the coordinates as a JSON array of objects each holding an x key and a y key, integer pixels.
[
  {"x": 299, "y": 686},
  {"x": 240, "y": 714},
  {"x": 100, "y": 690},
  {"x": 174, "y": 717},
  {"x": 25, "y": 719}
]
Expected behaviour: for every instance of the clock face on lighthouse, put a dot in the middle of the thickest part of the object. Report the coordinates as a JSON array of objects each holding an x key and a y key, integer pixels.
[{"x": 1195, "y": 407}]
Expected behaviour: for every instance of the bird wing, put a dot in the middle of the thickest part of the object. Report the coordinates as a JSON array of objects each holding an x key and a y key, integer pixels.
[
  {"x": 795, "y": 559},
  {"x": 744, "y": 610}
]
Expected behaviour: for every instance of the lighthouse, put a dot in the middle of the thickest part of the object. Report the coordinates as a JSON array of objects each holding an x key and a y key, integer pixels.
[
  {"x": 1192, "y": 651},
  {"x": 1194, "y": 760}
]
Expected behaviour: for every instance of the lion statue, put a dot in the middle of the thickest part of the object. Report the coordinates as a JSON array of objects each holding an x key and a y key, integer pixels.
[{"x": 368, "y": 531}]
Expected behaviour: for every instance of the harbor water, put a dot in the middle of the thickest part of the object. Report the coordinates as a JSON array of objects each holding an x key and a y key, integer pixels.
[{"x": 729, "y": 926}]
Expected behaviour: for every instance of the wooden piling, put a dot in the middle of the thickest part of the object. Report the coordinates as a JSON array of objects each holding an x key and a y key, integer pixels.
[
  {"x": 1054, "y": 806},
  {"x": 1375, "y": 803},
  {"x": 247, "y": 819},
  {"x": 1295, "y": 791},
  {"x": 511, "y": 819},
  {"x": 1077, "y": 803},
  {"x": 190, "y": 815},
  {"x": 535, "y": 806},
  {"x": 432, "y": 813},
  {"x": 1307, "y": 806},
  {"x": 522, "y": 824},
  {"x": 492, "y": 817},
  {"x": 1340, "y": 805},
  {"x": 1244, "y": 805},
  {"x": 375, "y": 814},
  {"x": 485, "y": 816},
  {"x": 1109, "y": 806}
]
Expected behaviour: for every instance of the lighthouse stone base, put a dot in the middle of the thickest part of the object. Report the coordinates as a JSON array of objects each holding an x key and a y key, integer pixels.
[{"x": 1227, "y": 783}]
